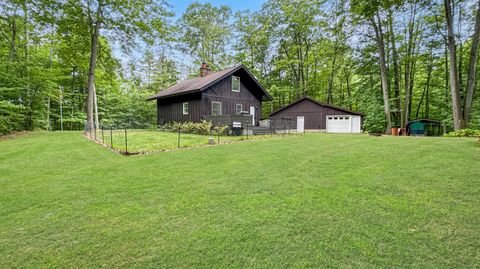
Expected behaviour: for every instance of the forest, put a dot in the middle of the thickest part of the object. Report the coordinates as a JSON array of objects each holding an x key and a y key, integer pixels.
[{"x": 65, "y": 64}]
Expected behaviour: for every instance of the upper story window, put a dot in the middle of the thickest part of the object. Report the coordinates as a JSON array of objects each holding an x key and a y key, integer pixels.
[
  {"x": 185, "y": 108},
  {"x": 216, "y": 108},
  {"x": 235, "y": 84}
]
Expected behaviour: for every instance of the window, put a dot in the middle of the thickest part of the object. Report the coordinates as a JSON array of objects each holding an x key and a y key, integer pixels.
[
  {"x": 235, "y": 84},
  {"x": 238, "y": 108},
  {"x": 216, "y": 108},
  {"x": 185, "y": 108}
]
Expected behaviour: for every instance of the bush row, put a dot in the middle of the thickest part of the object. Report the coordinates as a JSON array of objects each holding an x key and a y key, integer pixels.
[
  {"x": 464, "y": 133},
  {"x": 202, "y": 128}
]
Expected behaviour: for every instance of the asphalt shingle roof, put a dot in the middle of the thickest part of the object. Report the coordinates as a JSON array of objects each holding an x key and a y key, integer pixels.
[{"x": 198, "y": 83}]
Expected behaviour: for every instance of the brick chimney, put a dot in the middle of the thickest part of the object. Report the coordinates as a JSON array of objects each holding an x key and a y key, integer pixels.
[{"x": 204, "y": 69}]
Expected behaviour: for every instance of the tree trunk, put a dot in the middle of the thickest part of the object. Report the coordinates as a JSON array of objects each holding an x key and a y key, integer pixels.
[
  {"x": 454, "y": 83},
  {"x": 330, "y": 80},
  {"x": 410, "y": 64},
  {"x": 383, "y": 71},
  {"x": 472, "y": 70},
  {"x": 349, "y": 95},
  {"x": 95, "y": 103},
  {"x": 396, "y": 73},
  {"x": 91, "y": 71}
]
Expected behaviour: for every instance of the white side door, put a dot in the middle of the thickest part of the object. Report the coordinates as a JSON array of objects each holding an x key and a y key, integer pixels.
[
  {"x": 300, "y": 124},
  {"x": 356, "y": 124},
  {"x": 252, "y": 112}
]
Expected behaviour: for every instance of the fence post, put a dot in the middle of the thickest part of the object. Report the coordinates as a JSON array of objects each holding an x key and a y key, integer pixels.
[
  {"x": 95, "y": 132},
  {"x": 111, "y": 137},
  {"x": 247, "y": 129},
  {"x": 126, "y": 142},
  {"x": 218, "y": 135},
  {"x": 103, "y": 138},
  {"x": 178, "y": 142}
]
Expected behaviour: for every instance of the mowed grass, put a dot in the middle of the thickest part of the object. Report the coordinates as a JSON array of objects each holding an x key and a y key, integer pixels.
[
  {"x": 141, "y": 141},
  {"x": 306, "y": 201}
]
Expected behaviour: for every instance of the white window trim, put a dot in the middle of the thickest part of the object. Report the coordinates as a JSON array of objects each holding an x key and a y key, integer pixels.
[
  {"x": 241, "y": 108},
  {"x": 239, "y": 84},
  {"x": 220, "y": 104},
  {"x": 183, "y": 108}
]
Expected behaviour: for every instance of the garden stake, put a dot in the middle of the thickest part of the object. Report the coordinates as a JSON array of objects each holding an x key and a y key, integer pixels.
[
  {"x": 178, "y": 144},
  {"x": 126, "y": 144}
]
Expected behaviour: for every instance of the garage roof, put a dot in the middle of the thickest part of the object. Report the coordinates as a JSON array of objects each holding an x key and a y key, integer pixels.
[{"x": 319, "y": 103}]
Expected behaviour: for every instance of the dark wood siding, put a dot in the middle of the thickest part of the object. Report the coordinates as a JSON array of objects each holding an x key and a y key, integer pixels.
[
  {"x": 222, "y": 92},
  {"x": 172, "y": 109},
  {"x": 315, "y": 114},
  {"x": 200, "y": 103}
]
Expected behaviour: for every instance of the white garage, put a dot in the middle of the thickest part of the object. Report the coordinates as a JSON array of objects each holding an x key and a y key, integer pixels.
[
  {"x": 343, "y": 124},
  {"x": 310, "y": 114}
]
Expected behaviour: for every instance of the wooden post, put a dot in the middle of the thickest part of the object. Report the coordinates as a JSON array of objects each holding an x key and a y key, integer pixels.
[
  {"x": 247, "y": 128},
  {"x": 103, "y": 138},
  {"x": 178, "y": 143},
  {"x": 111, "y": 137},
  {"x": 61, "y": 108},
  {"x": 126, "y": 142}
]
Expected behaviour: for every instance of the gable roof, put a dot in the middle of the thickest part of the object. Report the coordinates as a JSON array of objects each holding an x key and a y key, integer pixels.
[
  {"x": 318, "y": 103},
  {"x": 199, "y": 84}
]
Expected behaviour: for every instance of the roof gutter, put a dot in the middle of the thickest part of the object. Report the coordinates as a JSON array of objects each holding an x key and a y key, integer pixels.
[{"x": 171, "y": 95}]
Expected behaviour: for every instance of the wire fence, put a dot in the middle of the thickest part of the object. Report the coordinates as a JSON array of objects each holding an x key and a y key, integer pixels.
[{"x": 132, "y": 139}]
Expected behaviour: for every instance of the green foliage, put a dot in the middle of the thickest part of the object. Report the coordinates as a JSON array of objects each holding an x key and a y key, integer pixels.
[
  {"x": 221, "y": 130},
  {"x": 202, "y": 128},
  {"x": 204, "y": 33},
  {"x": 464, "y": 133}
]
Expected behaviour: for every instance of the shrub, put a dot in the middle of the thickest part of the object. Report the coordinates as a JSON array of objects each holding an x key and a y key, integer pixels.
[
  {"x": 203, "y": 127},
  {"x": 187, "y": 127},
  {"x": 222, "y": 130},
  {"x": 464, "y": 133}
]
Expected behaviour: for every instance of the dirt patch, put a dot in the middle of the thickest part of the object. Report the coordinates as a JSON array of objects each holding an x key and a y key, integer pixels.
[{"x": 14, "y": 134}]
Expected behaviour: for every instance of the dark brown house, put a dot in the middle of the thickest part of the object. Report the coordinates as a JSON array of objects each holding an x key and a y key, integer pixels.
[
  {"x": 232, "y": 91},
  {"x": 313, "y": 115}
]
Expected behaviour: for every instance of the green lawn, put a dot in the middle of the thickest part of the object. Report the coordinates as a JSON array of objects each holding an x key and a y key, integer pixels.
[
  {"x": 311, "y": 201},
  {"x": 141, "y": 141}
]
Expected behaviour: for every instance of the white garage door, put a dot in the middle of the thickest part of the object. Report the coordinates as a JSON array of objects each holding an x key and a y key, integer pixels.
[{"x": 343, "y": 124}]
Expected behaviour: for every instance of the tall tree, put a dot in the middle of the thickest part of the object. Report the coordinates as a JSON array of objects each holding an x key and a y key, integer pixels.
[
  {"x": 123, "y": 21},
  {"x": 379, "y": 38},
  {"x": 205, "y": 33},
  {"x": 472, "y": 69}
]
